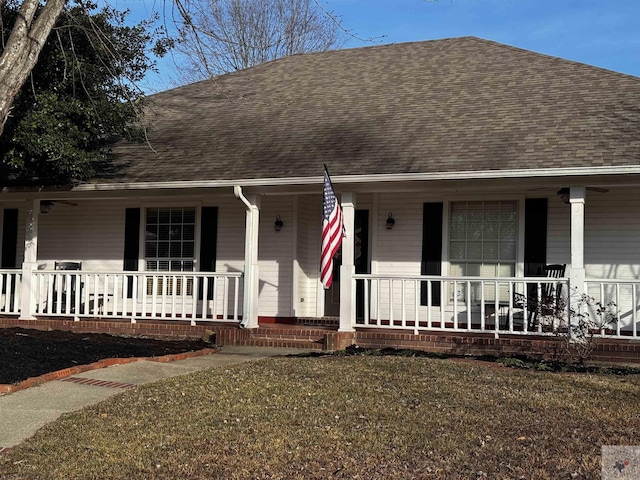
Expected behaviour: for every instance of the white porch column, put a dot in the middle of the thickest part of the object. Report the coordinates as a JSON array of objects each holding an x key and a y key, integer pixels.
[
  {"x": 251, "y": 270},
  {"x": 29, "y": 264},
  {"x": 348, "y": 269},
  {"x": 577, "y": 199}
]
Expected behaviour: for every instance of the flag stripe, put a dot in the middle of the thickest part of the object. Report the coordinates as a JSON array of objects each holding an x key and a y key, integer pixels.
[{"x": 332, "y": 226}]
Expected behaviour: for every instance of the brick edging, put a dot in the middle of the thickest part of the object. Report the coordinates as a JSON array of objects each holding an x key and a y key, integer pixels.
[{"x": 105, "y": 362}]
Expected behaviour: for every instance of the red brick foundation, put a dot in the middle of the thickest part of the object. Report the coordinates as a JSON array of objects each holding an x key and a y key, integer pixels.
[
  {"x": 541, "y": 347},
  {"x": 327, "y": 338},
  {"x": 225, "y": 334}
]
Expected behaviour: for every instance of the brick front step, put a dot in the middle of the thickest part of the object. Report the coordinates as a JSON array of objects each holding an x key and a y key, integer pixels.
[
  {"x": 292, "y": 337},
  {"x": 283, "y": 343},
  {"x": 320, "y": 322}
]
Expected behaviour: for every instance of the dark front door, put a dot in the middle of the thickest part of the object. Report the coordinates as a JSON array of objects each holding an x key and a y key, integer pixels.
[{"x": 362, "y": 265}]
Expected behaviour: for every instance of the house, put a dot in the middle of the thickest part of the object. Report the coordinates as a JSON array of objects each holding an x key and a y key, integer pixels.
[{"x": 463, "y": 167}]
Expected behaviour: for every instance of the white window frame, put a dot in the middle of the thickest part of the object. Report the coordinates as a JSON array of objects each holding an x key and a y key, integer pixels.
[
  {"x": 142, "y": 258},
  {"x": 187, "y": 203},
  {"x": 446, "y": 217}
]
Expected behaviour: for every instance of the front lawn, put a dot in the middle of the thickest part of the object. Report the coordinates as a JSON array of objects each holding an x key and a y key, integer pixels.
[{"x": 343, "y": 417}]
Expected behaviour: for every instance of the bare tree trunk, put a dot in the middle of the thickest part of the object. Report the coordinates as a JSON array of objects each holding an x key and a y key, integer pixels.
[{"x": 21, "y": 52}]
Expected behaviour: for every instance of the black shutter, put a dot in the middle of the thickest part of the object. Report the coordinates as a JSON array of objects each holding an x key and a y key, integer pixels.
[
  {"x": 9, "y": 238},
  {"x": 535, "y": 236},
  {"x": 208, "y": 244},
  {"x": 431, "y": 250},
  {"x": 131, "y": 245}
]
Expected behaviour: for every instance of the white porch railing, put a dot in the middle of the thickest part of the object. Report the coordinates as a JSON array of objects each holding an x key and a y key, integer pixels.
[
  {"x": 162, "y": 295},
  {"x": 461, "y": 304},
  {"x": 10, "y": 289},
  {"x": 619, "y": 299}
]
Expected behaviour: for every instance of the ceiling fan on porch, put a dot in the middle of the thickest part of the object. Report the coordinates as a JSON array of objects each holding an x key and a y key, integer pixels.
[
  {"x": 566, "y": 189},
  {"x": 47, "y": 205},
  {"x": 564, "y": 192}
]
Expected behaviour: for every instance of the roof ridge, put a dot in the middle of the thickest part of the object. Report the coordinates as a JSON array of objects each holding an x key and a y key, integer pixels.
[{"x": 551, "y": 57}]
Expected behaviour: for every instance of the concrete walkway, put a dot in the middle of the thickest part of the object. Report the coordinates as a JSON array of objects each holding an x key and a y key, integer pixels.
[{"x": 22, "y": 413}]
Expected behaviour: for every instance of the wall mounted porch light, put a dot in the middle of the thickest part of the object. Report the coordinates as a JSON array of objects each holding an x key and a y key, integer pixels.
[
  {"x": 45, "y": 206},
  {"x": 564, "y": 194},
  {"x": 278, "y": 224},
  {"x": 390, "y": 221}
]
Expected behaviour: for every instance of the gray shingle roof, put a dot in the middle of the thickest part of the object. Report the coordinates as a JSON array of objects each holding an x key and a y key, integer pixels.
[{"x": 462, "y": 104}]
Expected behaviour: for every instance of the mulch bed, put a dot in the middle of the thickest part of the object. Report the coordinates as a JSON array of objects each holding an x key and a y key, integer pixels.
[{"x": 26, "y": 353}]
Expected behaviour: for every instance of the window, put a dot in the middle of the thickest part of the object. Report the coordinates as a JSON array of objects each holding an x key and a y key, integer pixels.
[
  {"x": 170, "y": 244},
  {"x": 482, "y": 240}
]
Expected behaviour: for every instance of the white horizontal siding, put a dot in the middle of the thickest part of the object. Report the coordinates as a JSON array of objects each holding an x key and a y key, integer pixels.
[
  {"x": 308, "y": 254},
  {"x": 399, "y": 250},
  {"x": 231, "y": 233},
  {"x": 612, "y": 234},
  {"x": 91, "y": 232},
  {"x": 275, "y": 255}
]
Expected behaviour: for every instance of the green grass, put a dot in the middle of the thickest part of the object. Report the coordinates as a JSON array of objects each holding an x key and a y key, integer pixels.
[{"x": 362, "y": 417}]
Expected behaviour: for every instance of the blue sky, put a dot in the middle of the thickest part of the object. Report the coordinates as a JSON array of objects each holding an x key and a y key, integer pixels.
[{"x": 603, "y": 33}]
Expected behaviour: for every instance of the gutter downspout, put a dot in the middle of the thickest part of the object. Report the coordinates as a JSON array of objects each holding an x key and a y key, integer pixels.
[{"x": 251, "y": 269}]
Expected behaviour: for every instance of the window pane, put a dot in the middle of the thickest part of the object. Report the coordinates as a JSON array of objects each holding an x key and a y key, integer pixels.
[
  {"x": 456, "y": 251},
  {"x": 175, "y": 250},
  {"x": 189, "y": 215},
  {"x": 508, "y": 251},
  {"x": 163, "y": 215},
  {"x": 488, "y": 270},
  {"x": 506, "y": 270},
  {"x": 176, "y": 232},
  {"x": 152, "y": 215},
  {"x": 508, "y": 231},
  {"x": 152, "y": 265},
  {"x": 474, "y": 250},
  {"x": 457, "y": 227},
  {"x": 491, "y": 230},
  {"x": 163, "y": 249},
  {"x": 474, "y": 230},
  {"x": 472, "y": 270},
  {"x": 163, "y": 232},
  {"x": 176, "y": 215},
  {"x": 188, "y": 249},
  {"x": 188, "y": 232},
  {"x": 152, "y": 232},
  {"x": 457, "y": 270},
  {"x": 490, "y": 251},
  {"x": 151, "y": 249},
  {"x": 163, "y": 266}
]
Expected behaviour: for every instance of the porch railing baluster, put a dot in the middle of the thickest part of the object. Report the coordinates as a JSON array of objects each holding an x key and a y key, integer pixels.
[{"x": 86, "y": 294}]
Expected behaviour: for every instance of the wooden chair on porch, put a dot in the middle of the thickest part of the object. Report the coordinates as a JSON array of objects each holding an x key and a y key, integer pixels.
[
  {"x": 62, "y": 288},
  {"x": 548, "y": 301}
]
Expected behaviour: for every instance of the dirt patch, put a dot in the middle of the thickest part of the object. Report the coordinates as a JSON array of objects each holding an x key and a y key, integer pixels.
[{"x": 26, "y": 353}]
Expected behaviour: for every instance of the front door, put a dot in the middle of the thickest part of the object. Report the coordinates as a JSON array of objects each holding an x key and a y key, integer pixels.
[{"x": 362, "y": 264}]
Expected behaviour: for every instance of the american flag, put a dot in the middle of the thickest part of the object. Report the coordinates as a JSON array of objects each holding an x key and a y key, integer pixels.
[{"x": 331, "y": 230}]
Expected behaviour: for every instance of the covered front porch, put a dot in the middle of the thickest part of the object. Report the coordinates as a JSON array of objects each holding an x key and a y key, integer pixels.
[
  {"x": 476, "y": 305},
  {"x": 461, "y": 258}
]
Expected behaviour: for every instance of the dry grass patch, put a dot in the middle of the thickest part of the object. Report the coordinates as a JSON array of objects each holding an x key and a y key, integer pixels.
[{"x": 343, "y": 417}]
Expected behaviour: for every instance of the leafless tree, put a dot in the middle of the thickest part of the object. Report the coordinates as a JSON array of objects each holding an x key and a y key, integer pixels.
[{"x": 225, "y": 35}]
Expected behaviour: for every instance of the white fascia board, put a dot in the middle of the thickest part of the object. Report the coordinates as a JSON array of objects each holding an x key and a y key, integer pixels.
[{"x": 398, "y": 177}]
